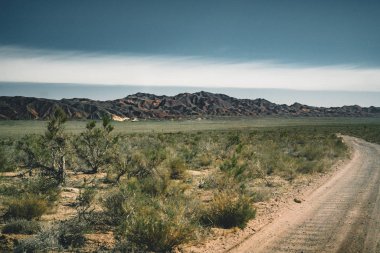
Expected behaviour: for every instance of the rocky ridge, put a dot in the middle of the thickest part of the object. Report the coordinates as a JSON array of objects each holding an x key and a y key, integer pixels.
[{"x": 185, "y": 105}]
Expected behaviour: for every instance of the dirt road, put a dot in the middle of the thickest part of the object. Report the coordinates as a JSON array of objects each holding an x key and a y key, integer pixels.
[{"x": 343, "y": 215}]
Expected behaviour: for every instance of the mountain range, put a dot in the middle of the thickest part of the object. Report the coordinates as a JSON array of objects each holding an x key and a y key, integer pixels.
[{"x": 185, "y": 105}]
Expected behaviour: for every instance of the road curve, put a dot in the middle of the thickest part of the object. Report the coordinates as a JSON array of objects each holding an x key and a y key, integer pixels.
[{"x": 343, "y": 215}]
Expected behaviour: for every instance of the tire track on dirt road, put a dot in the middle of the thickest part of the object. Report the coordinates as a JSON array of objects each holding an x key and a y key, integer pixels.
[{"x": 343, "y": 215}]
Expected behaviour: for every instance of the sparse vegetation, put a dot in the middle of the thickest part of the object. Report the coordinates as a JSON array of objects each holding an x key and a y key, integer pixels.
[
  {"x": 46, "y": 240},
  {"x": 21, "y": 226},
  {"x": 155, "y": 191},
  {"x": 28, "y": 207}
]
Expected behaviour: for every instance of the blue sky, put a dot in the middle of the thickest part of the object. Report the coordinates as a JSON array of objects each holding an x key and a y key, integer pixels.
[{"x": 303, "y": 45}]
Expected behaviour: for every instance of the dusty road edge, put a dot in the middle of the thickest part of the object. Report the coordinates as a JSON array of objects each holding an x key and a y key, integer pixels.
[{"x": 302, "y": 193}]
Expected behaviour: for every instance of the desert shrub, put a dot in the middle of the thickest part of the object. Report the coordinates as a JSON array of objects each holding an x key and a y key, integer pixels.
[
  {"x": 156, "y": 224},
  {"x": 21, "y": 227},
  {"x": 260, "y": 194},
  {"x": 33, "y": 152},
  {"x": 233, "y": 139},
  {"x": 121, "y": 163},
  {"x": 369, "y": 132},
  {"x": 145, "y": 162},
  {"x": 312, "y": 153},
  {"x": 139, "y": 166},
  {"x": 230, "y": 164},
  {"x": 236, "y": 168},
  {"x": 28, "y": 207},
  {"x": 55, "y": 237},
  {"x": 154, "y": 185},
  {"x": 94, "y": 146},
  {"x": 309, "y": 167},
  {"x": 71, "y": 233},
  {"x": 84, "y": 202},
  {"x": 209, "y": 182},
  {"x": 45, "y": 187},
  {"x": 203, "y": 160},
  {"x": 228, "y": 209},
  {"x": 47, "y": 152},
  {"x": 7, "y": 162},
  {"x": 339, "y": 148},
  {"x": 10, "y": 190},
  {"x": 189, "y": 153},
  {"x": 146, "y": 222},
  {"x": 46, "y": 240},
  {"x": 113, "y": 204},
  {"x": 177, "y": 168}
]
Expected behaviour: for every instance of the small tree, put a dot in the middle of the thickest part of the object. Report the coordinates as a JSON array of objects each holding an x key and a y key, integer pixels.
[
  {"x": 122, "y": 161},
  {"x": 47, "y": 152},
  {"x": 94, "y": 145},
  {"x": 57, "y": 143},
  {"x": 7, "y": 156}
]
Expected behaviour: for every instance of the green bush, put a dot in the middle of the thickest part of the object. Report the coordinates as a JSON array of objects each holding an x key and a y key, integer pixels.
[
  {"x": 157, "y": 225},
  {"x": 29, "y": 207},
  {"x": 233, "y": 139},
  {"x": 227, "y": 210},
  {"x": 21, "y": 227},
  {"x": 84, "y": 202},
  {"x": 6, "y": 162},
  {"x": 8, "y": 155},
  {"x": 94, "y": 146},
  {"x": 46, "y": 187},
  {"x": 71, "y": 233},
  {"x": 189, "y": 153},
  {"x": 10, "y": 190},
  {"x": 154, "y": 186}
]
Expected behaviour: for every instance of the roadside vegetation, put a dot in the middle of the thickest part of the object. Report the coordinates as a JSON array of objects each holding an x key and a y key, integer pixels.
[{"x": 152, "y": 192}]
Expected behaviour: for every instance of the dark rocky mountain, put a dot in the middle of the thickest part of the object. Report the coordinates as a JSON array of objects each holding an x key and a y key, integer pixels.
[{"x": 184, "y": 105}]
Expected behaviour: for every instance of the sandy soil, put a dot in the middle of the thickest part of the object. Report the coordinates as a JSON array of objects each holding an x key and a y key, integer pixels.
[{"x": 342, "y": 215}]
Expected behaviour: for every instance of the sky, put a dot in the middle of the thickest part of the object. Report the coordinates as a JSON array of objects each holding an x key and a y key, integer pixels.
[{"x": 324, "y": 52}]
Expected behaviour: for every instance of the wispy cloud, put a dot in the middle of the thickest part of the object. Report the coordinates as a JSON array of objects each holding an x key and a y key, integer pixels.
[{"x": 30, "y": 65}]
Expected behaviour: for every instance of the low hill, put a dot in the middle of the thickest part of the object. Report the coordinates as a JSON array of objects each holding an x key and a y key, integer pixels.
[{"x": 184, "y": 105}]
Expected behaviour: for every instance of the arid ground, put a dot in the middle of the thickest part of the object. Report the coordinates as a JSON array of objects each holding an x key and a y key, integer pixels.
[
  {"x": 311, "y": 188},
  {"x": 342, "y": 215}
]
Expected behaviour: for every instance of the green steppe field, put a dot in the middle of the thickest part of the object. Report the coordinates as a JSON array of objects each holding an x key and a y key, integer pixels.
[{"x": 154, "y": 186}]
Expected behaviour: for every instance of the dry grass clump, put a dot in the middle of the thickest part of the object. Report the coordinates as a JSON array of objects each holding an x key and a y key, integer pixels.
[
  {"x": 157, "y": 225},
  {"x": 21, "y": 226},
  {"x": 177, "y": 168},
  {"x": 150, "y": 223},
  {"x": 228, "y": 209},
  {"x": 55, "y": 237},
  {"x": 46, "y": 240},
  {"x": 29, "y": 207}
]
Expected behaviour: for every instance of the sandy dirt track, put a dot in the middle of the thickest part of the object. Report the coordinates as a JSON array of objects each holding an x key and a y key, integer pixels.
[{"x": 343, "y": 215}]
